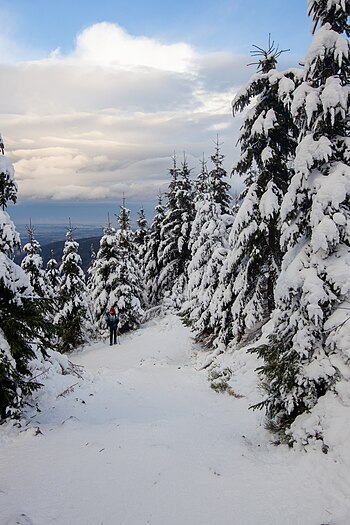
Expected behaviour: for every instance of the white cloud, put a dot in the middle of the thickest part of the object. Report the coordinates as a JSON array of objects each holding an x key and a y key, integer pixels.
[
  {"x": 107, "y": 44},
  {"x": 107, "y": 118}
]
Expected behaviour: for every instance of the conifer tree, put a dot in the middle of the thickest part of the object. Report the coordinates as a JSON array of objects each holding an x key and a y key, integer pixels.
[
  {"x": 73, "y": 318},
  {"x": 201, "y": 184},
  {"x": 141, "y": 232},
  {"x": 307, "y": 350},
  {"x": 219, "y": 187},
  {"x": 140, "y": 240},
  {"x": 32, "y": 264},
  {"x": 185, "y": 199},
  {"x": 129, "y": 291},
  {"x": 89, "y": 272},
  {"x": 151, "y": 261},
  {"x": 22, "y": 325},
  {"x": 53, "y": 275},
  {"x": 168, "y": 253},
  {"x": 104, "y": 278},
  {"x": 209, "y": 244},
  {"x": 201, "y": 195},
  {"x": 174, "y": 250},
  {"x": 245, "y": 297}
]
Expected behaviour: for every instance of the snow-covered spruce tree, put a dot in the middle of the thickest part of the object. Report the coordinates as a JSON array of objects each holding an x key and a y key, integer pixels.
[
  {"x": 209, "y": 247},
  {"x": 21, "y": 321},
  {"x": 307, "y": 353},
  {"x": 104, "y": 278},
  {"x": 90, "y": 269},
  {"x": 151, "y": 261},
  {"x": 140, "y": 240},
  {"x": 201, "y": 182},
  {"x": 245, "y": 297},
  {"x": 201, "y": 198},
  {"x": 219, "y": 187},
  {"x": 73, "y": 318},
  {"x": 53, "y": 275},
  {"x": 174, "y": 251},
  {"x": 32, "y": 264},
  {"x": 129, "y": 292},
  {"x": 201, "y": 194},
  {"x": 140, "y": 235}
]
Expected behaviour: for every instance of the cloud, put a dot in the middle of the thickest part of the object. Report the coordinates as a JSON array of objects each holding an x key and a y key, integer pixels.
[
  {"x": 107, "y": 44},
  {"x": 106, "y": 118},
  {"x": 56, "y": 87},
  {"x": 223, "y": 71}
]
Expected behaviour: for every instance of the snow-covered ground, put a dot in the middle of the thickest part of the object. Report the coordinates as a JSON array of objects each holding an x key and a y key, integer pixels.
[{"x": 144, "y": 440}]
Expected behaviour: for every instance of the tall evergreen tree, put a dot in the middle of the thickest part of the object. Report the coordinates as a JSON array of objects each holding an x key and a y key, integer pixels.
[
  {"x": 32, "y": 264},
  {"x": 174, "y": 250},
  {"x": 201, "y": 194},
  {"x": 209, "y": 244},
  {"x": 104, "y": 278},
  {"x": 195, "y": 268},
  {"x": 73, "y": 318},
  {"x": 245, "y": 297},
  {"x": 142, "y": 229},
  {"x": 307, "y": 351},
  {"x": 220, "y": 188},
  {"x": 22, "y": 326},
  {"x": 185, "y": 199},
  {"x": 140, "y": 240},
  {"x": 90, "y": 269},
  {"x": 129, "y": 291},
  {"x": 53, "y": 275},
  {"x": 151, "y": 261},
  {"x": 201, "y": 184}
]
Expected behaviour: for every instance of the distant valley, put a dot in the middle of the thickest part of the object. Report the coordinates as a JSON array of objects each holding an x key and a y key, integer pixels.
[{"x": 52, "y": 239}]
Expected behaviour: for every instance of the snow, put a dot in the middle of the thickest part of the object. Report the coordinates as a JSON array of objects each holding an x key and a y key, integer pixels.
[
  {"x": 326, "y": 40},
  {"x": 140, "y": 438},
  {"x": 6, "y": 166},
  {"x": 270, "y": 201},
  {"x": 264, "y": 122}
]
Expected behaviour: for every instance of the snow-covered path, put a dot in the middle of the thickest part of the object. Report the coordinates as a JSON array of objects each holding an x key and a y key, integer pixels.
[{"x": 146, "y": 441}]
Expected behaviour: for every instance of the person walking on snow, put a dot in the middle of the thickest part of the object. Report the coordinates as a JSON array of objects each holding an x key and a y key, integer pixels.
[{"x": 113, "y": 321}]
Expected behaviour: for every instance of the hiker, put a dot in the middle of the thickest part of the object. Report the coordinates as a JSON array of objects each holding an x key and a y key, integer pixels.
[{"x": 112, "y": 322}]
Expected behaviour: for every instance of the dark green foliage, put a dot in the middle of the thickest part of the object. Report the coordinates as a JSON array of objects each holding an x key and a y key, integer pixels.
[
  {"x": 304, "y": 359},
  {"x": 219, "y": 379},
  {"x": 8, "y": 190},
  {"x": 268, "y": 140},
  {"x": 322, "y": 12},
  {"x": 23, "y": 327},
  {"x": 279, "y": 374}
]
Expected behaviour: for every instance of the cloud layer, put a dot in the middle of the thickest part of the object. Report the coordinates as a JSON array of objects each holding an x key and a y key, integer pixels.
[{"x": 107, "y": 118}]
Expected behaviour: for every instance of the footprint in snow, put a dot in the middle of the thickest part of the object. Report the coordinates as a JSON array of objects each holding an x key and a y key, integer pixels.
[{"x": 21, "y": 519}]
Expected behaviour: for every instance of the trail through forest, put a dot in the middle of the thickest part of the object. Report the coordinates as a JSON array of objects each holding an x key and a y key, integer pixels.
[{"x": 144, "y": 440}]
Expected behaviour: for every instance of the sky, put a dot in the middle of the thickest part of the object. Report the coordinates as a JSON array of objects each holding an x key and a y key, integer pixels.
[{"x": 97, "y": 96}]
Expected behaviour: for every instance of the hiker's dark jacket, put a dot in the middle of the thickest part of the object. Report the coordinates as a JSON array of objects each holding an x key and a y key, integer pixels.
[{"x": 112, "y": 321}]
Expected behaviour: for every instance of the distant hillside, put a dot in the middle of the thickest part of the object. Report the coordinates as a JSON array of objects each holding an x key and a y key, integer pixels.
[
  {"x": 48, "y": 233},
  {"x": 57, "y": 247}
]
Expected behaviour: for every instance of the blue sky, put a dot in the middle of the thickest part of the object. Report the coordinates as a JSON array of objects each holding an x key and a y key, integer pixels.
[
  {"x": 231, "y": 25},
  {"x": 99, "y": 94}
]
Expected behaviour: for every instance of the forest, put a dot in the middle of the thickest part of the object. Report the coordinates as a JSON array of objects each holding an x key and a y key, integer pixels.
[{"x": 268, "y": 271}]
